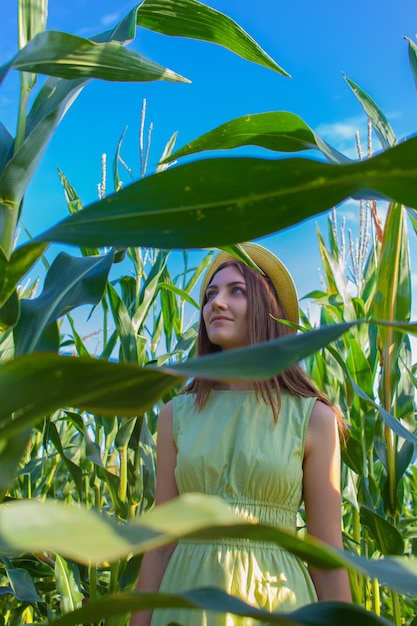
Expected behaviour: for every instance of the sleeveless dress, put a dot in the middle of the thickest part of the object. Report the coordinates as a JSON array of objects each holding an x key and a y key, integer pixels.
[{"x": 233, "y": 449}]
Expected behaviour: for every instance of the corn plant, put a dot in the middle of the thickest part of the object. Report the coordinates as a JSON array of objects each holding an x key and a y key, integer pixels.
[
  {"x": 76, "y": 431},
  {"x": 369, "y": 373}
]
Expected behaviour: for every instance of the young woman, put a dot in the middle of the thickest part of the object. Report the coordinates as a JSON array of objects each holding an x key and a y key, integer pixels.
[{"x": 262, "y": 446}]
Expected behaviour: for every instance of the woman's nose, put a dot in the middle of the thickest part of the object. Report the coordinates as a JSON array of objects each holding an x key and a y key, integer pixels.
[{"x": 218, "y": 301}]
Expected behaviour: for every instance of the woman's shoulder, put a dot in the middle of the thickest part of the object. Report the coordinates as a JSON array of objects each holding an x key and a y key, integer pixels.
[
  {"x": 322, "y": 427},
  {"x": 165, "y": 416},
  {"x": 180, "y": 410},
  {"x": 322, "y": 416}
]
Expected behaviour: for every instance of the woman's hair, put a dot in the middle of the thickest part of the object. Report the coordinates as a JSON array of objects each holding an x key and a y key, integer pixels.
[{"x": 263, "y": 307}]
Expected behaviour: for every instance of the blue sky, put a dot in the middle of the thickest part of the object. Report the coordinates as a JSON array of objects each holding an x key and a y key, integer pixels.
[{"x": 314, "y": 40}]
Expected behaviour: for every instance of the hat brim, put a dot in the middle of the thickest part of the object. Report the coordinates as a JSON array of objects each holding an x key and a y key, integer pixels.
[{"x": 272, "y": 266}]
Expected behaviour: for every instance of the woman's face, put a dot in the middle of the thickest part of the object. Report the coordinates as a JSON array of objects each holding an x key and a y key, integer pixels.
[{"x": 225, "y": 312}]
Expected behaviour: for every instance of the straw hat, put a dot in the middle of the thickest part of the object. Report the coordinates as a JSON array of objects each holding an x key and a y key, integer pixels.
[{"x": 272, "y": 267}]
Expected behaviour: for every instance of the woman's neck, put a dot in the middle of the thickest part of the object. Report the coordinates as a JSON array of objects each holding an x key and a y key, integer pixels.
[{"x": 230, "y": 385}]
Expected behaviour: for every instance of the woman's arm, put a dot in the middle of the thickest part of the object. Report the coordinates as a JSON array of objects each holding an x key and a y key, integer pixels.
[
  {"x": 155, "y": 561},
  {"x": 321, "y": 487}
]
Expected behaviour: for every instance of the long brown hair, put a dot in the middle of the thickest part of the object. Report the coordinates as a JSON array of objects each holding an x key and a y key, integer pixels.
[{"x": 263, "y": 307}]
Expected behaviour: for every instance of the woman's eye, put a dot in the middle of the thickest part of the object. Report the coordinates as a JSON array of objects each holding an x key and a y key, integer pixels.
[
  {"x": 238, "y": 290},
  {"x": 210, "y": 295}
]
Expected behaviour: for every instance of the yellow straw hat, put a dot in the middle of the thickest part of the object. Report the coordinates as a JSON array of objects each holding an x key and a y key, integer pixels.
[{"x": 272, "y": 267}]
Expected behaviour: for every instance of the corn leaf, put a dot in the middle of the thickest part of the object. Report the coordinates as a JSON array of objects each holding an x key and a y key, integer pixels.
[
  {"x": 69, "y": 283},
  {"x": 60, "y": 54},
  {"x": 379, "y": 121},
  {"x": 32, "y": 16},
  {"x": 279, "y": 131},
  {"x": 189, "y": 18},
  {"x": 412, "y": 56},
  {"x": 222, "y": 201},
  {"x": 37, "y": 384},
  {"x": 22, "y": 585},
  {"x": 68, "y": 585},
  {"x": 6, "y": 145},
  {"x": 87, "y": 537},
  {"x": 386, "y": 536},
  {"x": 319, "y": 614}
]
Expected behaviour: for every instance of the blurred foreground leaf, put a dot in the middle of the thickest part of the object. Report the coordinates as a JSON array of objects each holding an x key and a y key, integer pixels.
[{"x": 320, "y": 614}]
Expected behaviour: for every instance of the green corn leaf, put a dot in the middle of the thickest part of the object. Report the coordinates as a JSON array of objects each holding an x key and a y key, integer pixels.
[
  {"x": 50, "y": 106},
  {"x": 389, "y": 419},
  {"x": 124, "y": 433},
  {"x": 179, "y": 292},
  {"x": 37, "y": 384},
  {"x": 113, "y": 483},
  {"x": 237, "y": 251},
  {"x": 121, "y": 389},
  {"x": 68, "y": 585},
  {"x": 85, "y": 536},
  {"x": 117, "y": 183},
  {"x": 92, "y": 450},
  {"x": 62, "y": 55},
  {"x": 71, "y": 196},
  {"x": 57, "y": 527},
  {"x": 279, "y": 131},
  {"x": 217, "y": 202},
  {"x": 74, "y": 470},
  {"x": 197, "y": 272},
  {"x": 69, "y": 283},
  {"x": 6, "y": 145},
  {"x": 157, "y": 330},
  {"x": 392, "y": 299},
  {"x": 210, "y": 599},
  {"x": 11, "y": 453},
  {"x": 12, "y": 271},
  {"x": 19, "y": 170},
  {"x": 169, "y": 147},
  {"x": 405, "y": 456},
  {"x": 32, "y": 16},
  {"x": 358, "y": 366},
  {"x": 170, "y": 309},
  {"x": 386, "y": 536},
  {"x": 110, "y": 346},
  {"x": 412, "y": 214},
  {"x": 124, "y": 327},
  {"x": 22, "y": 585},
  {"x": 149, "y": 290},
  {"x": 261, "y": 361},
  {"x": 379, "y": 121},
  {"x": 34, "y": 385},
  {"x": 57, "y": 94},
  {"x": 337, "y": 281},
  {"x": 79, "y": 344},
  {"x": 353, "y": 456},
  {"x": 10, "y": 312},
  {"x": 412, "y": 56},
  {"x": 189, "y": 18}
]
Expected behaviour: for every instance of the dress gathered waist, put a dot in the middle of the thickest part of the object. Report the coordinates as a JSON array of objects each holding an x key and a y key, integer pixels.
[
  {"x": 267, "y": 513},
  {"x": 254, "y": 511}
]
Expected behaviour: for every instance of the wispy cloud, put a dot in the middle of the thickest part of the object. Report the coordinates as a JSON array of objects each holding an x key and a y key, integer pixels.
[
  {"x": 111, "y": 18},
  {"x": 342, "y": 134},
  {"x": 106, "y": 21}
]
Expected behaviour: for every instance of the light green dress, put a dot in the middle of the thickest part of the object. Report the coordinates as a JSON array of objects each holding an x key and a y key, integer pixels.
[{"x": 233, "y": 449}]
